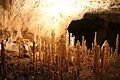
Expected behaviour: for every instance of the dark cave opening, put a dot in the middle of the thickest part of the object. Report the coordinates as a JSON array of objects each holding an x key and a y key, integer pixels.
[{"x": 106, "y": 30}]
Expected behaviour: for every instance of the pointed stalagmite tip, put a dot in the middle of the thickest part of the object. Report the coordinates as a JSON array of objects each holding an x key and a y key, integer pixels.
[
  {"x": 78, "y": 43},
  {"x": 105, "y": 43},
  {"x": 95, "y": 39}
]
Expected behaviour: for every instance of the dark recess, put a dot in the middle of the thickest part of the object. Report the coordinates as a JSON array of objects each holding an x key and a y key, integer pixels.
[{"x": 91, "y": 23}]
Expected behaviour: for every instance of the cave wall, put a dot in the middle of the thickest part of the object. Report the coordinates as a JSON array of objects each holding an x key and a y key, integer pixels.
[{"x": 39, "y": 17}]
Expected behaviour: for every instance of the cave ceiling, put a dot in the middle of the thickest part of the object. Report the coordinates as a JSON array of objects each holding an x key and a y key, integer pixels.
[{"x": 25, "y": 13}]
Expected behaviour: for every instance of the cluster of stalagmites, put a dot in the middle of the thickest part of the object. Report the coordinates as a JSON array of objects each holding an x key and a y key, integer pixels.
[{"x": 40, "y": 60}]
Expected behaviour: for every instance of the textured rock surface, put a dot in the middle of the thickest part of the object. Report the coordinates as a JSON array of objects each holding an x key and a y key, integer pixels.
[{"x": 42, "y": 16}]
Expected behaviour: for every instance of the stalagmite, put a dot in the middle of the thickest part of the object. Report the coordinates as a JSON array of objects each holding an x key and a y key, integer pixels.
[
  {"x": 117, "y": 45},
  {"x": 105, "y": 55},
  {"x": 4, "y": 64},
  {"x": 33, "y": 50},
  {"x": 95, "y": 39}
]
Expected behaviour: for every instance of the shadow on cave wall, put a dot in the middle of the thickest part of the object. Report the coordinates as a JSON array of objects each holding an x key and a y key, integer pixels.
[{"x": 91, "y": 23}]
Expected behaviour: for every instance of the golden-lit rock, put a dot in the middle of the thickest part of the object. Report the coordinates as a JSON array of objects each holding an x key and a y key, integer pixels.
[{"x": 41, "y": 17}]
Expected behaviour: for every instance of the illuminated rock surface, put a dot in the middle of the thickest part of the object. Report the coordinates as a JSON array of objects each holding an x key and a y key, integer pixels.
[{"x": 40, "y": 17}]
